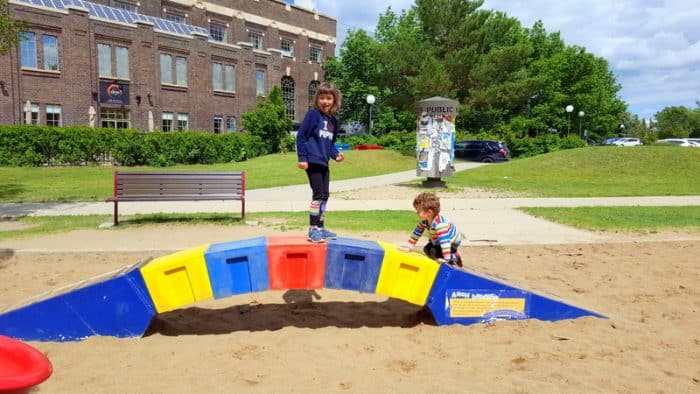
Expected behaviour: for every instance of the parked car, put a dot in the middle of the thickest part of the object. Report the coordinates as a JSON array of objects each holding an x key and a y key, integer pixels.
[
  {"x": 610, "y": 141},
  {"x": 677, "y": 141},
  {"x": 482, "y": 151},
  {"x": 695, "y": 141},
  {"x": 628, "y": 142}
]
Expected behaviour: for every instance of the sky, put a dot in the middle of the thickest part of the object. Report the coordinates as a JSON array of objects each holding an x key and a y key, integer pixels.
[{"x": 651, "y": 46}]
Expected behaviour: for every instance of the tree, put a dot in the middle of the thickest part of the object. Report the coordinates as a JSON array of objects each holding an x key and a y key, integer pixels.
[
  {"x": 9, "y": 29},
  {"x": 675, "y": 122},
  {"x": 269, "y": 120},
  {"x": 355, "y": 74},
  {"x": 507, "y": 78}
]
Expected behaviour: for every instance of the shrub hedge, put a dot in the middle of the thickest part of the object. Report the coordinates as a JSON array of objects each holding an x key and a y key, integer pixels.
[{"x": 30, "y": 145}]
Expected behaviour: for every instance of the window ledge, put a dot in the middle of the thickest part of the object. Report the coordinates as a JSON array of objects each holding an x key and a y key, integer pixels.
[
  {"x": 112, "y": 78},
  {"x": 175, "y": 88},
  {"x": 224, "y": 93},
  {"x": 41, "y": 72}
]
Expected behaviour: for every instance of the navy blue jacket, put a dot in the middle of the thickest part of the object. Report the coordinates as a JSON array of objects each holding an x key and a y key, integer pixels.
[{"x": 316, "y": 138}]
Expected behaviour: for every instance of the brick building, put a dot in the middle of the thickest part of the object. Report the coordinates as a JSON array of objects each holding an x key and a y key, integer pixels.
[{"x": 160, "y": 64}]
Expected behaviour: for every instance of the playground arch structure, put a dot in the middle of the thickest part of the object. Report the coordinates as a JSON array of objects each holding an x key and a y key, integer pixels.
[{"x": 122, "y": 303}]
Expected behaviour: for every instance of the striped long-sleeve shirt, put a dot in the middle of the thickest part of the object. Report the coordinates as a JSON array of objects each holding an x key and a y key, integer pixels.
[{"x": 441, "y": 232}]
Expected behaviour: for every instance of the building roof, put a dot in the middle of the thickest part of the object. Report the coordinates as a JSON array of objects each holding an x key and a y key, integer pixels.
[{"x": 111, "y": 14}]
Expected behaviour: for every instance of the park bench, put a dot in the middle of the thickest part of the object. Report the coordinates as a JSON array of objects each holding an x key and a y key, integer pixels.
[{"x": 177, "y": 186}]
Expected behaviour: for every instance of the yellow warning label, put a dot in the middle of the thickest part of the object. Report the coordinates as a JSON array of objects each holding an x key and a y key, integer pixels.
[{"x": 478, "y": 307}]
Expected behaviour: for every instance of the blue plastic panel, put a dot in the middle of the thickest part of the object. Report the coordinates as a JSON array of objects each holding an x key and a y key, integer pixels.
[
  {"x": 353, "y": 264},
  {"x": 238, "y": 267},
  {"x": 117, "y": 306},
  {"x": 460, "y": 297}
]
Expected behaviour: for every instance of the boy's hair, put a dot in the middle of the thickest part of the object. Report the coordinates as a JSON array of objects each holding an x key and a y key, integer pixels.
[
  {"x": 426, "y": 201},
  {"x": 329, "y": 88}
]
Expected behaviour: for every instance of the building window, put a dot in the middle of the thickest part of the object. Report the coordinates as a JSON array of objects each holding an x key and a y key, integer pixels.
[
  {"x": 104, "y": 61},
  {"x": 33, "y": 113},
  {"x": 177, "y": 18},
  {"x": 53, "y": 115},
  {"x": 223, "y": 77},
  {"x": 122, "y": 57},
  {"x": 260, "y": 82},
  {"x": 166, "y": 70},
  {"x": 287, "y": 48},
  {"x": 115, "y": 118},
  {"x": 183, "y": 121},
  {"x": 230, "y": 124},
  {"x": 315, "y": 54},
  {"x": 313, "y": 87},
  {"x": 288, "y": 96},
  {"x": 256, "y": 39},
  {"x": 27, "y": 49},
  {"x": 50, "y": 44},
  {"x": 218, "y": 32},
  {"x": 218, "y": 124},
  {"x": 217, "y": 76},
  {"x": 166, "y": 121},
  {"x": 229, "y": 78},
  {"x": 125, "y": 6},
  {"x": 181, "y": 70}
]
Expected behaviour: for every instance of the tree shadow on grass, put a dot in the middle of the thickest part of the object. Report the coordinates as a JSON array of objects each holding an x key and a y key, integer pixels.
[{"x": 10, "y": 191}]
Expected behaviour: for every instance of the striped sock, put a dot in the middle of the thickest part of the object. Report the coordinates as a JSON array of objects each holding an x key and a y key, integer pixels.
[{"x": 315, "y": 213}]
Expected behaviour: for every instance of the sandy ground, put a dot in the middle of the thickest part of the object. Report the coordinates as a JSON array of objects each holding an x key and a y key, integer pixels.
[{"x": 339, "y": 341}]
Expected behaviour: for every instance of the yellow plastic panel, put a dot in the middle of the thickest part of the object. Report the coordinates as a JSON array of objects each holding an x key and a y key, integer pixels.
[
  {"x": 406, "y": 276},
  {"x": 178, "y": 279}
]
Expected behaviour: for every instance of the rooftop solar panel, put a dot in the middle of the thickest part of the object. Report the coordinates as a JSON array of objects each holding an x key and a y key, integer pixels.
[{"x": 117, "y": 15}]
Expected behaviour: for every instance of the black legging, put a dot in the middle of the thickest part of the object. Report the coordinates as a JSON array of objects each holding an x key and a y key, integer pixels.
[{"x": 319, "y": 180}]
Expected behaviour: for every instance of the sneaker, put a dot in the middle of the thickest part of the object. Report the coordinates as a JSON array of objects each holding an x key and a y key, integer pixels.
[
  {"x": 315, "y": 235},
  {"x": 328, "y": 234}
]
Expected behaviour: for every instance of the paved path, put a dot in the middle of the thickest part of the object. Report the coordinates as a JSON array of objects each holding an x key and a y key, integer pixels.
[{"x": 490, "y": 220}]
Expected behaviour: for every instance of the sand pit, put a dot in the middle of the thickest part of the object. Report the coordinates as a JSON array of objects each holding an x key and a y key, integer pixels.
[{"x": 302, "y": 341}]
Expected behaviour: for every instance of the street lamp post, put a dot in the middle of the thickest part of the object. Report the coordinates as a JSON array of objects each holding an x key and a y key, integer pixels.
[
  {"x": 569, "y": 110},
  {"x": 581, "y": 114},
  {"x": 622, "y": 129},
  {"x": 370, "y": 100}
]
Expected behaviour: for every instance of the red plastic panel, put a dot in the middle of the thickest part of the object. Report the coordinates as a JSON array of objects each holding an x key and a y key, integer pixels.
[{"x": 295, "y": 263}]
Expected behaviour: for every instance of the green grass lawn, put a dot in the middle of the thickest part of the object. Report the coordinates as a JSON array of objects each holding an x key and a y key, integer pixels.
[
  {"x": 634, "y": 219},
  {"x": 604, "y": 171},
  {"x": 51, "y": 184},
  {"x": 585, "y": 172},
  {"x": 342, "y": 220}
]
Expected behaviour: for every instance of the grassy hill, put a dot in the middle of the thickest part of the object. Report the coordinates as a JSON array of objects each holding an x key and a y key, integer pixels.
[
  {"x": 585, "y": 172},
  {"x": 594, "y": 172},
  {"x": 49, "y": 184}
]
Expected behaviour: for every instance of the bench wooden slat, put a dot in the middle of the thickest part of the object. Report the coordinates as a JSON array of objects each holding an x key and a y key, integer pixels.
[
  {"x": 126, "y": 189},
  {"x": 183, "y": 197}
]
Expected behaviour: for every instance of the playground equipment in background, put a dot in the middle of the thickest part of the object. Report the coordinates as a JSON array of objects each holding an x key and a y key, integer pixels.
[
  {"x": 122, "y": 303},
  {"x": 21, "y": 366}
]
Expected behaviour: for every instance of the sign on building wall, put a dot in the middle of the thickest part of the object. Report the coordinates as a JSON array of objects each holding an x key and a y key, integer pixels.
[{"x": 114, "y": 93}]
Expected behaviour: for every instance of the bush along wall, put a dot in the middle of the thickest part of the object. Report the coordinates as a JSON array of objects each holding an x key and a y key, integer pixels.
[{"x": 30, "y": 145}]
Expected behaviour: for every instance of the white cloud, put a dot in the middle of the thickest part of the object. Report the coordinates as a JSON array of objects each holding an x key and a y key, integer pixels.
[{"x": 310, "y": 4}]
